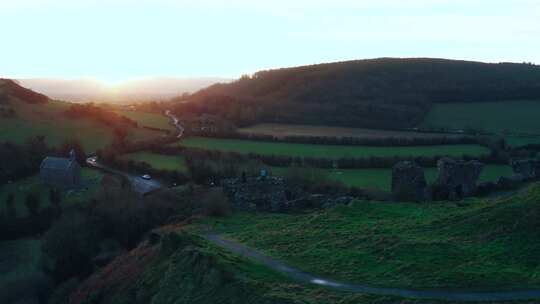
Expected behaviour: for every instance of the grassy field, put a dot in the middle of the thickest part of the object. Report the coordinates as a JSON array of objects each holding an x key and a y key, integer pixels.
[
  {"x": 381, "y": 179},
  {"x": 158, "y": 161},
  {"x": 326, "y": 151},
  {"x": 20, "y": 261},
  {"x": 91, "y": 179},
  {"x": 49, "y": 120},
  {"x": 481, "y": 244},
  {"x": 283, "y": 130},
  {"x": 512, "y": 117},
  {"x": 153, "y": 120}
]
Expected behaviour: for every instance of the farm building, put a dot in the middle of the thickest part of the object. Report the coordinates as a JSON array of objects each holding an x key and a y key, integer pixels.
[{"x": 61, "y": 172}]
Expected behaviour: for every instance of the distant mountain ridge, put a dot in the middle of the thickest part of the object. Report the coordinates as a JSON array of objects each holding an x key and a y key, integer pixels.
[
  {"x": 86, "y": 89},
  {"x": 381, "y": 93}
]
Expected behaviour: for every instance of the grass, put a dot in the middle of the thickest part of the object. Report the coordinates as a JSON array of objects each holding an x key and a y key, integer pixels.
[
  {"x": 283, "y": 130},
  {"x": 20, "y": 260},
  {"x": 326, "y": 151},
  {"x": 49, "y": 120},
  {"x": 509, "y": 117},
  {"x": 147, "y": 119},
  {"x": 381, "y": 179},
  {"x": 33, "y": 184},
  {"x": 479, "y": 245},
  {"x": 158, "y": 161}
]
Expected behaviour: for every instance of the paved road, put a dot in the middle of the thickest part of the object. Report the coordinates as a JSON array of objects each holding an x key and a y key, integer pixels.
[
  {"x": 140, "y": 185},
  {"x": 304, "y": 277},
  {"x": 175, "y": 122}
]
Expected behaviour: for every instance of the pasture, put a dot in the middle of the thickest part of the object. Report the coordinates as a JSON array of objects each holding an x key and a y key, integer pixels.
[
  {"x": 158, "y": 161},
  {"x": 20, "y": 189},
  {"x": 509, "y": 117},
  {"x": 147, "y": 119},
  {"x": 381, "y": 179},
  {"x": 327, "y": 151},
  {"x": 49, "y": 120},
  {"x": 284, "y": 130}
]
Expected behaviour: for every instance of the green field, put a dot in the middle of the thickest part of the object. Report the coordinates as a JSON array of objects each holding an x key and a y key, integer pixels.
[
  {"x": 49, "y": 120},
  {"x": 510, "y": 117},
  {"x": 283, "y": 130},
  {"x": 158, "y": 161},
  {"x": 90, "y": 177},
  {"x": 326, "y": 151},
  {"x": 480, "y": 244},
  {"x": 381, "y": 179},
  {"x": 20, "y": 262},
  {"x": 147, "y": 119}
]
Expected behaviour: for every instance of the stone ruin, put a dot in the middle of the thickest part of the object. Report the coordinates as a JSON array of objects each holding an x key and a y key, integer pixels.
[
  {"x": 457, "y": 179},
  {"x": 256, "y": 194},
  {"x": 527, "y": 168},
  {"x": 409, "y": 182}
]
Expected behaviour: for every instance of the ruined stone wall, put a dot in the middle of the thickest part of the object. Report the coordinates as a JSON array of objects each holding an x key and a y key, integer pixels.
[
  {"x": 259, "y": 194},
  {"x": 409, "y": 182}
]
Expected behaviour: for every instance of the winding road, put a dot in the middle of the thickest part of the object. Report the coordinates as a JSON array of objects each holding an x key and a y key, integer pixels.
[
  {"x": 304, "y": 277},
  {"x": 175, "y": 122}
]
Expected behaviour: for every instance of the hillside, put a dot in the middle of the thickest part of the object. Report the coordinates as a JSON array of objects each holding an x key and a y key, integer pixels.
[
  {"x": 25, "y": 114},
  {"x": 377, "y": 93},
  {"x": 492, "y": 245}
]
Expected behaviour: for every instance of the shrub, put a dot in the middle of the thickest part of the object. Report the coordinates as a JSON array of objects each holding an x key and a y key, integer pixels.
[{"x": 215, "y": 203}]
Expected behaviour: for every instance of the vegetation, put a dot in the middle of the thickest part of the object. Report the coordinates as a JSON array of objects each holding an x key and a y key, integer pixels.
[
  {"x": 480, "y": 244},
  {"x": 21, "y": 270},
  {"x": 285, "y": 130},
  {"x": 29, "y": 119},
  {"x": 378, "y": 93},
  {"x": 327, "y": 151},
  {"x": 33, "y": 185},
  {"x": 148, "y": 119},
  {"x": 158, "y": 161},
  {"x": 503, "y": 117},
  {"x": 381, "y": 179}
]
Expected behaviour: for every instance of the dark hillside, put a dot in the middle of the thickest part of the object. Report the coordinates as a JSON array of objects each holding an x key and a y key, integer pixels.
[
  {"x": 382, "y": 93},
  {"x": 10, "y": 89}
]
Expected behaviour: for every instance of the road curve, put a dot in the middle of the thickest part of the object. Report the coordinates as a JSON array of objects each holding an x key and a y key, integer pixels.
[
  {"x": 176, "y": 122},
  {"x": 298, "y": 275}
]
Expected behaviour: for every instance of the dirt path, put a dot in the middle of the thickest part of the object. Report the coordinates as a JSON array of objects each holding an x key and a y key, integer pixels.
[{"x": 359, "y": 288}]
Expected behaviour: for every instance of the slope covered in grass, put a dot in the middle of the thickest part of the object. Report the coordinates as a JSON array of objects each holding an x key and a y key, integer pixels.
[{"x": 476, "y": 244}]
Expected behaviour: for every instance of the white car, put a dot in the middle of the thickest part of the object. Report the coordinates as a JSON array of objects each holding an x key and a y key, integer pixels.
[{"x": 146, "y": 176}]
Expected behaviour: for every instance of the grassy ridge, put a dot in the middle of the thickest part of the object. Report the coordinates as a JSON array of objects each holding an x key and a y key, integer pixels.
[
  {"x": 327, "y": 151},
  {"x": 482, "y": 244}
]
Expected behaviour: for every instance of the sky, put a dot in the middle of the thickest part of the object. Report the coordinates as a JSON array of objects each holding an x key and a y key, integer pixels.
[{"x": 118, "y": 40}]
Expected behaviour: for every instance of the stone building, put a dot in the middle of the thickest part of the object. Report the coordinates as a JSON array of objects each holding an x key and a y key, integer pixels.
[
  {"x": 457, "y": 178},
  {"x": 528, "y": 168},
  {"x": 61, "y": 172},
  {"x": 409, "y": 182}
]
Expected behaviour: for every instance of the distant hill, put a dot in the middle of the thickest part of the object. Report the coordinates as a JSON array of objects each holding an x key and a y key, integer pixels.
[
  {"x": 381, "y": 93},
  {"x": 10, "y": 90},
  {"x": 87, "y": 90}
]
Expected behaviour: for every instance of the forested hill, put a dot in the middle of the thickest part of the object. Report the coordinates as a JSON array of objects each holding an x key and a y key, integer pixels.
[{"x": 384, "y": 92}]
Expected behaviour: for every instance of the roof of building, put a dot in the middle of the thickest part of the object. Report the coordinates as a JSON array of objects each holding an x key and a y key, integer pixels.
[{"x": 57, "y": 163}]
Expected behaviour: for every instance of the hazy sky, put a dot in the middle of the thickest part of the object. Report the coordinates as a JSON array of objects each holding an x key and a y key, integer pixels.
[{"x": 115, "y": 40}]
